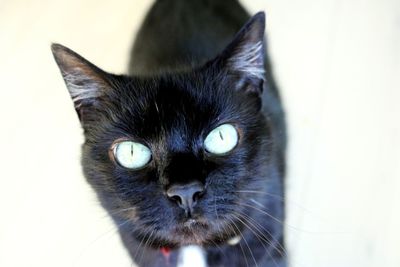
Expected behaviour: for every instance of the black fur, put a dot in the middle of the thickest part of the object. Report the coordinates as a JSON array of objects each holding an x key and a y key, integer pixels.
[{"x": 183, "y": 83}]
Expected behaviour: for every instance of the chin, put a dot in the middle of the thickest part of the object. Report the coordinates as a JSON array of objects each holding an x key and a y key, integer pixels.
[{"x": 197, "y": 232}]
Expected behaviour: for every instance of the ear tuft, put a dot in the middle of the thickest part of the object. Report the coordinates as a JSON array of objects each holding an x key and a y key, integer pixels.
[
  {"x": 248, "y": 61},
  {"x": 85, "y": 82}
]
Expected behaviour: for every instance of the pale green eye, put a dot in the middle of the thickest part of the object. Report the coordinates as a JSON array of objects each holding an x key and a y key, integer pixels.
[
  {"x": 131, "y": 155},
  {"x": 222, "y": 139}
]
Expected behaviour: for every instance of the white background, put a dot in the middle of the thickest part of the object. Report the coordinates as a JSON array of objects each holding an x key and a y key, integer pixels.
[{"x": 338, "y": 65}]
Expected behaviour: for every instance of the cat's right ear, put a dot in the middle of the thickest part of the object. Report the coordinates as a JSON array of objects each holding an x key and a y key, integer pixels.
[{"x": 86, "y": 83}]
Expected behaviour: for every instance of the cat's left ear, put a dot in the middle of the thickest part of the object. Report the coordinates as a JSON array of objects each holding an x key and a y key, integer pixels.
[
  {"x": 86, "y": 83},
  {"x": 243, "y": 58}
]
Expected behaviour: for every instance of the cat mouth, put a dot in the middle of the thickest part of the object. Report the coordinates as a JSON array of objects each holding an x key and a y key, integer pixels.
[
  {"x": 191, "y": 223},
  {"x": 192, "y": 226},
  {"x": 191, "y": 232},
  {"x": 199, "y": 232}
]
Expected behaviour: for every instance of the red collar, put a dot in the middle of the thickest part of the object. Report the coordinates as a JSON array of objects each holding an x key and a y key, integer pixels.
[{"x": 165, "y": 251}]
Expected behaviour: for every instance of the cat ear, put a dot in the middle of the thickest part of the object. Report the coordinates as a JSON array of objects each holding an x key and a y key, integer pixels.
[
  {"x": 244, "y": 56},
  {"x": 86, "y": 83}
]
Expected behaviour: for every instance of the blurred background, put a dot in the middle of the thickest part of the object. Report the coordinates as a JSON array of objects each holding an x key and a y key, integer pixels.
[{"x": 338, "y": 66}]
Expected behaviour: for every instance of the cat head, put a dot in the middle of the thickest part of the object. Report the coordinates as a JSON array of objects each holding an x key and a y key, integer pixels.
[{"x": 169, "y": 155}]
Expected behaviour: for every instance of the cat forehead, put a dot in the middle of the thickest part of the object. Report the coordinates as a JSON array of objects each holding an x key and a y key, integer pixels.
[
  {"x": 180, "y": 93},
  {"x": 152, "y": 107}
]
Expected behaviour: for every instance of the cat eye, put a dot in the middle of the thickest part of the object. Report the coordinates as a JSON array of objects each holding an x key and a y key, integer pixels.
[
  {"x": 131, "y": 155},
  {"x": 222, "y": 139}
]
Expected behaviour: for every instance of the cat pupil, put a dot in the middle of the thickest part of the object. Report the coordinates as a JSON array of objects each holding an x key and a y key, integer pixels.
[{"x": 220, "y": 135}]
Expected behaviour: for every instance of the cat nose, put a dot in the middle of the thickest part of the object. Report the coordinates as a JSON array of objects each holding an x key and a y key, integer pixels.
[{"x": 186, "y": 196}]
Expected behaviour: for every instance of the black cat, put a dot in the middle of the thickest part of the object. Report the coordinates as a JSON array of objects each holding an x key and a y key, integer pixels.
[{"x": 187, "y": 152}]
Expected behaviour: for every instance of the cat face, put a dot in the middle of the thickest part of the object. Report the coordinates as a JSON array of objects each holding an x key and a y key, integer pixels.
[{"x": 168, "y": 155}]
